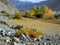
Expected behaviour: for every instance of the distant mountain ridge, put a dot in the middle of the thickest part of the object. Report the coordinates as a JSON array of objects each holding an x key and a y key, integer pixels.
[
  {"x": 21, "y": 5},
  {"x": 53, "y": 4}
]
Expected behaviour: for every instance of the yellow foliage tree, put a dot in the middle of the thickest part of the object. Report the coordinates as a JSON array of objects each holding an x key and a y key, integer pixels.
[
  {"x": 50, "y": 13},
  {"x": 45, "y": 9},
  {"x": 32, "y": 13},
  {"x": 47, "y": 13}
]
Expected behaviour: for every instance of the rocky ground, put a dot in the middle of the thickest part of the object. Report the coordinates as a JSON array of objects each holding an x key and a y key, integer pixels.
[{"x": 8, "y": 30}]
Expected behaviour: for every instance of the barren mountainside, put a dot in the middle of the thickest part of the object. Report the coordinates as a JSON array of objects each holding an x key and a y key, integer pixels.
[{"x": 5, "y": 5}]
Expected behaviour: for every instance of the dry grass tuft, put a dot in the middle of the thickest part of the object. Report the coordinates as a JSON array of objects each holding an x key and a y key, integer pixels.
[{"x": 31, "y": 32}]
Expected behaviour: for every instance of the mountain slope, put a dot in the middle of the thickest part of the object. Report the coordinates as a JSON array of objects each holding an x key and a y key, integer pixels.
[
  {"x": 21, "y": 5},
  {"x": 5, "y": 5},
  {"x": 53, "y": 4}
]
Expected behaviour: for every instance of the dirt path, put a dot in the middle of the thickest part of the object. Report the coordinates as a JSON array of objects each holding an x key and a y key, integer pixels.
[{"x": 44, "y": 26}]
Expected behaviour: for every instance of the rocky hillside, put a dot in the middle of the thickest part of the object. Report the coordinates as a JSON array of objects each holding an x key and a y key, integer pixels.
[{"x": 5, "y": 5}]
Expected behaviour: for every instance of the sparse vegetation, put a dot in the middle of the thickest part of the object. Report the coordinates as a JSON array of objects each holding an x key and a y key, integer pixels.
[
  {"x": 31, "y": 32},
  {"x": 17, "y": 15},
  {"x": 41, "y": 12}
]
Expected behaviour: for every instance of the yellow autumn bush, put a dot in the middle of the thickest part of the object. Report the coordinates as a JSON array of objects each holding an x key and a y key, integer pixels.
[
  {"x": 17, "y": 15},
  {"x": 31, "y": 32},
  {"x": 32, "y": 13}
]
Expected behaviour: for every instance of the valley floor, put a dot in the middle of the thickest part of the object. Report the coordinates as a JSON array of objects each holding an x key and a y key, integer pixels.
[{"x": 38, "y": 24}]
